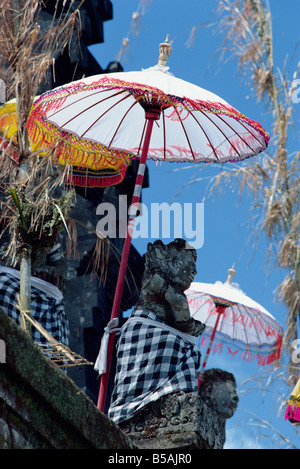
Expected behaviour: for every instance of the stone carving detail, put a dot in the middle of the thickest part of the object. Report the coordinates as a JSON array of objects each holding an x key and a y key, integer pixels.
[
  {"x": 10, "y": 438},
  {"x": 169, "y": 271},
  {"x": 169, "y": 411},
  {"x": 187, "y": 420},
  {"x": 218, "y": 391},
  {"x": 161, "y": 316},
  {"x": 182, "y": 418}
]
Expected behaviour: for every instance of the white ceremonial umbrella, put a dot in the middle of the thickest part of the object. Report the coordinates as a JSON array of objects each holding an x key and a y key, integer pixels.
[{"x": 232, "y": 317}]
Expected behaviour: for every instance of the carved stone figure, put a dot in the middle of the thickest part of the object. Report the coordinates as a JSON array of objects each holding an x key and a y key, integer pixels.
[
  {"x": 169, "y": 271},
  {"x": 218, "y": 391},
  {"x": 187, "y": 420},
  {"x": 156, "y": 351}
]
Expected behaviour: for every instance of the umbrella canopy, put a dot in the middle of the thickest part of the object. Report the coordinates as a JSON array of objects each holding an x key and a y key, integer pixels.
[
  {"x": 193, "y": 125},
  {"x": 244, "y": 325},
  {"x": 146, "y": 114},
  {"x": 90, "y": 167}
]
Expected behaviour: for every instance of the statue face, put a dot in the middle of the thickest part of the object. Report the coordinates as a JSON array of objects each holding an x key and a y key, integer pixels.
[
  {"x": 183, "y": 269},
  {"x": 224, "y": 399}
]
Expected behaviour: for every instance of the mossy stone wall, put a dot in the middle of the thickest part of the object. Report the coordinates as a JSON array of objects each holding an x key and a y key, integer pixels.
[{"x": 40, "y": 407}]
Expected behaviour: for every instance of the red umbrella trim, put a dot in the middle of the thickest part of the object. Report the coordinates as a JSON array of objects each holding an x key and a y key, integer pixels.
[{"x": 146, "y": 95}]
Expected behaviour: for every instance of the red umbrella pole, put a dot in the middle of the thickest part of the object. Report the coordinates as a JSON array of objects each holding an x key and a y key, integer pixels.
[
  {"x": 150, "y": 116},
  {"x": 220, "y": 310}
]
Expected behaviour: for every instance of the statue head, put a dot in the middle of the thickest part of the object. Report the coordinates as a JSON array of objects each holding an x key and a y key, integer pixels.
[
  {"x": 218, "y": 391},
  {"x": 169, "y": 271},
  {"x": 176, "y": 260}
]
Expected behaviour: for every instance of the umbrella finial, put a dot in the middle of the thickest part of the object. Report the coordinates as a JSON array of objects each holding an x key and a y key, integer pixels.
[
  {"x": 165, "y": 50},
  {"x": 231, "y": 273}
]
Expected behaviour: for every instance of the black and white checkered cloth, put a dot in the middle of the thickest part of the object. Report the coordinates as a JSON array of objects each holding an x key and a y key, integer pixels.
[
  {"x": 152, "y": 360},
  {"x": 47, "y": 306}
]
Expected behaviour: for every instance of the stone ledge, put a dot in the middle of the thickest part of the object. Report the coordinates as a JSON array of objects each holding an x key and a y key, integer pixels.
[
  {"x": 176, "y": 421},
  {"x": 40, "y": 407}
]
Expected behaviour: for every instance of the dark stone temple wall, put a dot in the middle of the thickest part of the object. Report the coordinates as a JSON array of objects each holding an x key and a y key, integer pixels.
[{"x": 77, "y": 61}]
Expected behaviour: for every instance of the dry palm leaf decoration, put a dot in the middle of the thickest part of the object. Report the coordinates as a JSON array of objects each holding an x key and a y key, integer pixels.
[
  {"x": 58, "y": 353},
  {"x": 36, "y": 221}
]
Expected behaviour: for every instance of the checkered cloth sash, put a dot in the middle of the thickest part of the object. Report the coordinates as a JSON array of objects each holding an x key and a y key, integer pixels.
[
  {"x": 152, "y": 360},
  {"x": 46, "y": 305}
]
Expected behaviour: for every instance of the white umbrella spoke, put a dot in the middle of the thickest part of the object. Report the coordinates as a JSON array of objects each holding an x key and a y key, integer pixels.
[
  {"x": 241, "y": 332},
  {"x": 103, "y": 114},
  {"x": 247, "y": 128},
  {"x": 206, "y": 135},
  {"x": 239, "y": 135},
  {"x": 137, "y": 149},
  {"x": 84, "y": 117},
  {"x": 185, "y": 132},
  {"x": 70, "y": 101},
  {"x": 229, "y": 137},
  {"x": 122, "y": 121},
  {"x": 221, "y": 131}
]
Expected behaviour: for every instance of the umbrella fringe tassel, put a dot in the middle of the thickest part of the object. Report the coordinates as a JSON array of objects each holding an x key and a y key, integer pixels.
[
  {"x": 292, "y": 412},
  {"x": 95, "y": 180},
  {"x": 265, "y": 355},
  {"x": 45, "y": 135}
]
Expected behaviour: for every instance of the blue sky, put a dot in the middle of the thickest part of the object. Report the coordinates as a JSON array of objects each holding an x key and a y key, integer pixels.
[{"x": 226, "y": 229}]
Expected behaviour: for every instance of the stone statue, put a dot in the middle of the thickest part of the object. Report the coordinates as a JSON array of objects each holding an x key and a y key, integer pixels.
[
  {"x": 187, "y": 420},
  {"x": 169, "y": 271},
  {"x": 156, "y": 350},
  {"x": 155, "y": 398},
  {"x": 218, "y": 391}
]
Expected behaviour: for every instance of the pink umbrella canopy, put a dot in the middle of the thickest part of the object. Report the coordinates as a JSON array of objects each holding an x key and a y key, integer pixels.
[
  {"x": 232, "y": 318},
  {"x": 146, "y": 114}
]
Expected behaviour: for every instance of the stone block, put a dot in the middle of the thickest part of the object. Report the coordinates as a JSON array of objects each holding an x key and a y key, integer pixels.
[{"x": 176, "y": 421}]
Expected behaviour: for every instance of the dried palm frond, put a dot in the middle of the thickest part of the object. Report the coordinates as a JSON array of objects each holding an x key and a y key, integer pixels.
[
  {"x": 144, "y": 6},
  {"x": 191, "y": 39},
  {"x": 72, "y": 246},
  {"x": 136, "y": 23},
  {"x": 35, "y": 221},
  {"x": 272, "y": 180},
  {"x": 271, "y": 385},
  {"x": 135, "y": 26},
  {"x": 125, "y": 51},
  {"x": 58, "y": 353}
]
